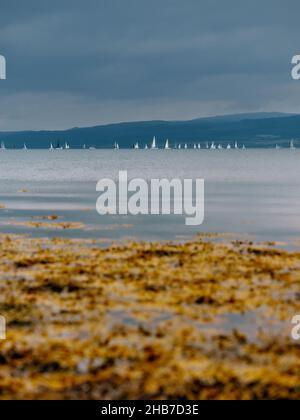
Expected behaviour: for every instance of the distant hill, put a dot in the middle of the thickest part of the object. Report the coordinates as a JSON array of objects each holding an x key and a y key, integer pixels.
[{"x": 254, "y": 130}]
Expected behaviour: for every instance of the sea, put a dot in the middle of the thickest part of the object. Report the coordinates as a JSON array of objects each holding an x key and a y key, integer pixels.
[{"x": 253, "y": 194}]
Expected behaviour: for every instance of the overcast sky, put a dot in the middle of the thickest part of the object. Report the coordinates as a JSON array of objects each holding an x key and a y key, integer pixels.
[{"x": 88, "y": 62}]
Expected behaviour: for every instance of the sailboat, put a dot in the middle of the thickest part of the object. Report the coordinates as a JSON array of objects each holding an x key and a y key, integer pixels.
[
  {"x": 25, "y": 147},
  {"x": 292, "y": 145},
  {"x": 116, "y": 146},
  {"x": 136, "y": 146},
  {"x": 67, "y": 146},
  {"x": 146, "y": 147},
  {"x": 228, "y": 146},
  {"x": 199, "y": 146},
  {"x": 277, "y": 147},
  {"x": 236, "y": 145},
  {"x": 153, "y": 145},
  {"x": 185, "y": 146},
  {"x": 179, "y": 146},
  {"x": 244, "y": 147},
  {"x": 167, "y": 145},
  {"x": 51, "y": 147},
  {"x": 206, "y": 145},
  {"x": 3, "y": 146},
  {"x": 220, "y": 146},
  {"x": 213, "y": 146}
]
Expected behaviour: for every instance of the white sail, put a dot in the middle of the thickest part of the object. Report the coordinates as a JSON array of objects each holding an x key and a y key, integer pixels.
[
  {"x": 236, "y": 145},
  {"x": 206, "y": 145},
  {"x": 277, "y": 147},
  {"x": 199, "y": 146},
  {"x": 185, "y": 146},
  {"x": 146, "y": 147},
  {"x": 136, "y": 146},
  {"x": 292, "y": 145},
  {"x": 213, "y": 146},
  {"x": 3, "y": 146},
  {"x": 228, "y": 146},
  {"x": 167, "y": 145},
  {"x": 116, "y": 146},
  {"x": 179, "y": 146},
  {"x": 244, "y": 147},
  {"x": 51, "y": 146},
  {"x": 67, "y": 146},
  {"x": 220, "y": 146},
  {"x": 153, "y": 145},
  {"x": 24, "y": 147}
]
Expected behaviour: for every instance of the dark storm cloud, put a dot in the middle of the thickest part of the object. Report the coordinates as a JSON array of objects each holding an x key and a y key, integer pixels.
[{"x": 88, "y": 62}]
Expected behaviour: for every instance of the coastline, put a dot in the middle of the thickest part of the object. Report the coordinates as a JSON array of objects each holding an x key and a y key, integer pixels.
[{"x": 197, "y": 320}]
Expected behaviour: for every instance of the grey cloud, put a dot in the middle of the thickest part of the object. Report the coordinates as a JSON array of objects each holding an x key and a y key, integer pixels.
[{"x": 96, "y": 61}]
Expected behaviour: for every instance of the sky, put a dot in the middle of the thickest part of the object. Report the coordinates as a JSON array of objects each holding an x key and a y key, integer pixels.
[{"x": 74, "y": 63}]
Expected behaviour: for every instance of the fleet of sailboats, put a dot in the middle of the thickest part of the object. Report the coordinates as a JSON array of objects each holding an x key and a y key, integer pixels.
[{"x": 167, "y": 146}]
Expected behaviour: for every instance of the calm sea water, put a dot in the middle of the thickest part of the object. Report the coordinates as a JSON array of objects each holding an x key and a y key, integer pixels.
[{"x": 253, "y": 192}]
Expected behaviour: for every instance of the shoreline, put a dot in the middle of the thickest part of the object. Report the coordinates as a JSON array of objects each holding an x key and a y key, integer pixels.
[{"x": 196, "y": 320}]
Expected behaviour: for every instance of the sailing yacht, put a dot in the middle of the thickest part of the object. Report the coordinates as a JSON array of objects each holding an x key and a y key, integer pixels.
[
  {"x": 185, "y": 146},
  {"x": 220, "y": 146},
  {"x": 206, "y": 145},
  {"x": 116, "y": 146},
  {"x": 228, "y": 146},
  {"x": 292, "y": 145},
  {"x": 67, "y": 146},
  {"x": 136, "y": 146},
  {"x": 167, "y": 145},
  {"x": 213, "y": 146},
  {"x": 244, "y": 147},
  {"x": 153, "y": 145},
  {"x": 3, "y": 146},
  {"x": 51, "y": 146},
  {"x": 236, "y": 145},
  {"x": 277, "y": 147},
  {"x": 179, "y": 146},
  {"x": 146, "y": 147},
  {"x": 25, "y": 147},
  {"x": 199, "y": 146}
]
